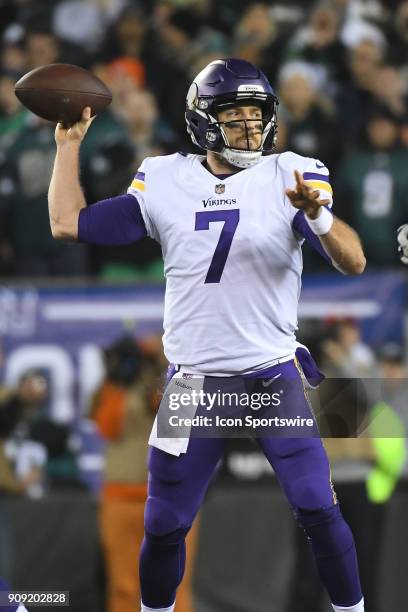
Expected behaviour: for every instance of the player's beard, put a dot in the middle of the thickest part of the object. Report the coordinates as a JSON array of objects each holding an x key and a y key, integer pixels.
[
  {"x": 253, "y": 142},
  {"x": 245, "y": 147},
  {"x": 246, "y": 141}
]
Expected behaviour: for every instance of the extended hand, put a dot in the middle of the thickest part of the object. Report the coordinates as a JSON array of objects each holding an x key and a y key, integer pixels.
[
  {"x": 305, "y": 197},
  {"x": 77, "y": 131}
]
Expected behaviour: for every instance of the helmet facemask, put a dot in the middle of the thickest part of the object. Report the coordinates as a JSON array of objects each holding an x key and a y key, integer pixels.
[
  {"x": 248, "y": 153},
  {"x": 216, "y": 137}
]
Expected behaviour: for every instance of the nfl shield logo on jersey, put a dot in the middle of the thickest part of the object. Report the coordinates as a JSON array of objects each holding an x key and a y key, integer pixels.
[{"x": 220, "y": 188}]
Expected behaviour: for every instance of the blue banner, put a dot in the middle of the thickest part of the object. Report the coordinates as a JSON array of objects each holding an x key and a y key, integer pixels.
[{"x": 61, "y": 330}]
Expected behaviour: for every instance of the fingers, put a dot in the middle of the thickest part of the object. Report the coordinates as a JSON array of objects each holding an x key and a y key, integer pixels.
[
  {"x": 77, "y": 131},
  {"x": 302, "y": 187},
  {"x": 306, "y": 192},
  {"x": 80, "y": 128},
  {"x": 85, "y": 119},
  {"x": 303, "y": 195},
  {"x": 86, "y": 113},
  {"x": 299, "y": 179}
]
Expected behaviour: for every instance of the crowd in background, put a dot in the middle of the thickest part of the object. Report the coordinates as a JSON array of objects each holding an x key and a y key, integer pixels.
[
  {"x": 340, "y": 69},
  {"x": 39, "y": 456}
]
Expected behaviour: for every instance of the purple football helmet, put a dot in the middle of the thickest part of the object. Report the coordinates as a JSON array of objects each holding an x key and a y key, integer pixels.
[{"x": 224, "y": 83}]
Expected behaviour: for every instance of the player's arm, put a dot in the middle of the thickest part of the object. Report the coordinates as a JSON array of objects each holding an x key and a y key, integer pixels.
[
  {"x": 65, "y": 195},
  {"x": 113, "y": 221},
  {"x": 338, "y": 239}
]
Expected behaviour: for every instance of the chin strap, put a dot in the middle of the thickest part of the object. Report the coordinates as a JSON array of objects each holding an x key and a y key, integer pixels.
[{"x": 241, "y": 159}]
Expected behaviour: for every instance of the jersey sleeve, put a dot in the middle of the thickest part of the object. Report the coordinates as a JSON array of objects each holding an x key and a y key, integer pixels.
[
  {"x": 315, "y": 174},
  {"x": 303, "y": 231},
  {"x": 139, "y": 188},
  {"x": 114, "y": 221}
]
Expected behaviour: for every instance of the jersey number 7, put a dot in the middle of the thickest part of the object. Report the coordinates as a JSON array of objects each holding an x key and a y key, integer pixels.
[{"x": 231, "y": 220}]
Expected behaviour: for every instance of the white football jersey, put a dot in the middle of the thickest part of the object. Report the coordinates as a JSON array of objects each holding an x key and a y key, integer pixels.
[{"x": 231, "y": 259}]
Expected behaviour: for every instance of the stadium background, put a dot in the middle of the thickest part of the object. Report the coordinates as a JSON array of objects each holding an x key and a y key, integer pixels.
[{"x": 340, "y": 70}]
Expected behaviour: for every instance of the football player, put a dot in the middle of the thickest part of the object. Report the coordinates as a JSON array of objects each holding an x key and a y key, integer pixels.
[{"x": 231, "y": 224}]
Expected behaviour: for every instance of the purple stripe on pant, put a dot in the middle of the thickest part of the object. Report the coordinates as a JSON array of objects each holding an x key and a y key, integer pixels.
[{"x": 176, "y": 490}]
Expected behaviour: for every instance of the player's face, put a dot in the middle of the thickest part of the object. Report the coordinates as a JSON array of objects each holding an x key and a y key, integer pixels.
[{"x": 243, "y": 126}]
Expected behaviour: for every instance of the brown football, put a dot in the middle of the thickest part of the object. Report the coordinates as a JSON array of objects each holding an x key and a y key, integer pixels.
[{"x": 59, "y": 92}]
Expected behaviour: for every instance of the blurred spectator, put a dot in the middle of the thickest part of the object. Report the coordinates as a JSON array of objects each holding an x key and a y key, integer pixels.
[
  {"x": 8, "y": 14},
  {"x": 149, "y": 135},
  {"x": 186, "y": 37},
  {"x": 13, "y": 59},
  {"x": 131, "y": 39},
  {"x": 318, "y": 43},
  {"x": 26, "y": 173},
  {"x": 344, "y": 354},
  {"x": 42, "y": 452},
  {"x": 356, "y": 30},
  {"x": 13, "y": 115},
  {"x": 126, "y": 36},
  {"x": 177, "y": 47},
  {"x": 124, "y": 414},
  {"x": 349, "y": 56},
  {"x": 372, "y": 11},
  {"x": 257, "y": 39},
  {"x": 41, "y": 47},
  {"x": 84, "y": 24},
  {"x": 355, "y": 97},
  {"x": 124, "y": 418},
  {"x": 122, "y": 75},
  {"x": 226, "y": 13},
  {"x": 372, "y": 188},
  {"x": 22, "y": 460},
  {"x": 120, "y": 137},
  {"x": 359, "y": 467},
  {"x": 394, "y": 375},
  {"x": 398, "y": 36},
  {"x": 390, "y": 90},
  {"x": 107, "y": 157},
  {"x": 305, "y": 115},
  {"x": 364, "y": 470}
]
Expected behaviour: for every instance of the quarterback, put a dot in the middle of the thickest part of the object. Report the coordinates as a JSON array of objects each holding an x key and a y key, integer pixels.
[{"x": 231, "y": 224}]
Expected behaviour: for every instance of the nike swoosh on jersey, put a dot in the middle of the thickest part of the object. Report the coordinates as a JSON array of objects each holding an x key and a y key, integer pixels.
[
  {"x": 266, "y": 383},
  {"x": 320, "y": 165}
]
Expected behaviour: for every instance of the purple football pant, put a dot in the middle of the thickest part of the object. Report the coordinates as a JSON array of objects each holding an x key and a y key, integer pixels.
[{"x": 176, "y": 490}]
